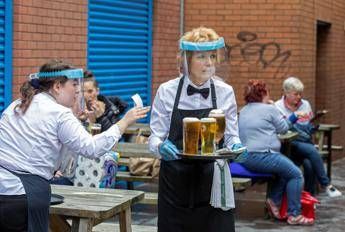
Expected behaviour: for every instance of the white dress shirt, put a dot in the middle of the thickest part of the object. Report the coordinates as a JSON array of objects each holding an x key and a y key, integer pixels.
[
  {"x": 163, "y": 105},
  {"x": 32, "y": 142}
]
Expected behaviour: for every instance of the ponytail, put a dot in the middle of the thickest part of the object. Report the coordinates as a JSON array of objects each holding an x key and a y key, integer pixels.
[
  {"x": 30, "y": 88},
  {"x": 27, "y": 92}
]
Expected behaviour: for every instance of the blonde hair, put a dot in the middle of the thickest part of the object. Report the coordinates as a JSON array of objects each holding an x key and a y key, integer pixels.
[{"x": 199, "y": 34}]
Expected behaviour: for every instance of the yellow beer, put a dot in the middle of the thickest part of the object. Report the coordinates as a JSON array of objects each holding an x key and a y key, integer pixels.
[
  {"x": 208, "y": 135},
  {"x": 219, "y": 115},
  {"x": 95, "y": 128},
  {"x": 191, "y": 131}
]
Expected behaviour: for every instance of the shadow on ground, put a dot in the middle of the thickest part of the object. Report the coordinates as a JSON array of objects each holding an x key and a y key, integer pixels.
[{"x": 330, "y": 214}]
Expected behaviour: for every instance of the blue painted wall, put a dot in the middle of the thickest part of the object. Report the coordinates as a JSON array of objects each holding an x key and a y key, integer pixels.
[
  {"x": 120, "y": 47},
  {"x": 5, "y": 53}
]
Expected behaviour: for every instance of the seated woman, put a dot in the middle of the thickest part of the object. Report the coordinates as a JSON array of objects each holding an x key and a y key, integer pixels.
[
  {"x": 103, "y": 110},
  {"x": 303, "y": 147},
  {"x": 259, "y": 124}
]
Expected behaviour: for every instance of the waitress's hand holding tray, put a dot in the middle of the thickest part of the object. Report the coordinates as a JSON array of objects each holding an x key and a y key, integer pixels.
[{"x": 204, "y": 130}]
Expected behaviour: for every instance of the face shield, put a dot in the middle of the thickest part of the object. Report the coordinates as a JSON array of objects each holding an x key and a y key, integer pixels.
[
  {"x": 75, "y": 75},
  {"x": 204, "y": 60}
]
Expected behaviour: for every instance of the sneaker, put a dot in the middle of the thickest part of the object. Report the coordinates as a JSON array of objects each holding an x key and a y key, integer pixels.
[
  {"x": 332, "y": 191},
  {"x": 300, "y": 220}
]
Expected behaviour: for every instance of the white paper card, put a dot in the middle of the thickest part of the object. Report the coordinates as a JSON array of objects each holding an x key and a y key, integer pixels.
[{"x": 137, "y": 100}]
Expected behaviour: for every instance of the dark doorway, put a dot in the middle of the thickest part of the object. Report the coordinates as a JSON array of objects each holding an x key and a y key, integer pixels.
[{"x": 323, "y": 63}]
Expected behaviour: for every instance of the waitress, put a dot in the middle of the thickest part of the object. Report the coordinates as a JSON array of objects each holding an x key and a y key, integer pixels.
[
  {"x": 185, "y": 187},
  {"x": 33, "y": 130}
]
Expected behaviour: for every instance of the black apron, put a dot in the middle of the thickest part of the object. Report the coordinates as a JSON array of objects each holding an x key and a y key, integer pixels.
[
  {"x": 185, "y": 186},
  {"x": 38, "y": 192}
]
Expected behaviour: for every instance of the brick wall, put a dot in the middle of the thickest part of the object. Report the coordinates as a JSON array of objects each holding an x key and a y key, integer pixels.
[
  {"x": 263, "y": 35},
  {"x": 272, "y": 39},
  {"x": 269, "y": 40},
  {"x": 166, "y": 21},
  {"x": 45, "y": 29},
  {"x": 330, "y": 78}
]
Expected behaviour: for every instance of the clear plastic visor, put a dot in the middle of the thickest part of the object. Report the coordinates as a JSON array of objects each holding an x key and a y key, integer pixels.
[
  {"x": 206, "y": 63},
  {"x": 204, "y": 59},
  {"x": 76, "y": 76}
]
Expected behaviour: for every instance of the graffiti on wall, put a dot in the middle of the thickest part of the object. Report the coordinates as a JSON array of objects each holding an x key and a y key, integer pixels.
[{"x": 266, "y": 55}]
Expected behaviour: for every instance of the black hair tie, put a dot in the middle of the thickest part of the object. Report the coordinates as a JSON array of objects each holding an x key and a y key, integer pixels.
[{"x": 35, "y": 83}]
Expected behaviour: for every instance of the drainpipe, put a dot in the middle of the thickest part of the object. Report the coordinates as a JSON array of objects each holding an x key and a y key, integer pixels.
[{"x": 181, "y": 17}]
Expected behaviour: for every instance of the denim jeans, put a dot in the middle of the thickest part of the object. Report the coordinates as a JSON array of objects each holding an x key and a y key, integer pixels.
[
  {"x": 308, "y": 151},
  {"x": 310, "y": 179},
  {"x": 289, "y": 177}
]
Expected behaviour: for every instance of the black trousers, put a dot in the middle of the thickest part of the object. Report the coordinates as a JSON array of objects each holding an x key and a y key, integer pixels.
[{"x": 13, "y": 213}]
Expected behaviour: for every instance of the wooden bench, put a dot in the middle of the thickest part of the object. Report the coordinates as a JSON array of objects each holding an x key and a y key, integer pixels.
[
  {"x": 239, "y": 184},
  {"x": 325, "y": 146},
  {"x": 106, "y": 227},
  {"x": 126, "y": 176},
  {"x": 128, "y": 150}
]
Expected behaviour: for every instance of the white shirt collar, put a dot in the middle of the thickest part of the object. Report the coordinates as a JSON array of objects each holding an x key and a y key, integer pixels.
[{"x": 205, "y": 85}]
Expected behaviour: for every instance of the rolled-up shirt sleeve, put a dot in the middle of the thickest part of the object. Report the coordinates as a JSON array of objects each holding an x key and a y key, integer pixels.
[
  {"x": 230, "y": 109},
  {"x": 72, "y": 134},
  {"x": 159, "y": 123}
]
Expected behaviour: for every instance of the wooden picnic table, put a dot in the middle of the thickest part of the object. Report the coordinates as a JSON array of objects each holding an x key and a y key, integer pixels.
[
  {"x": 326, "y": 130},
  {"x": 134, "y": 129},
  {"x": 286, "y": 140},
  {"x": 87, "y": 207}
]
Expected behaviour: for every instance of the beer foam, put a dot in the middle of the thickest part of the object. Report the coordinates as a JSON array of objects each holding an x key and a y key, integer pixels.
[
  {"x": 208, "y": 120},
  {"x": 217, "y": 111},
  {"x": 190, "y": 119}
]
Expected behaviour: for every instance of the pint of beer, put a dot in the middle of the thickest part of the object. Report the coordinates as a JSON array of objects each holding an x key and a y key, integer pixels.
[
  {"x": 95, "y": 128},
  {"x": 219, "y": 115},
  {"x": 191, "y": 131},
  {"x": 208, "y": 135}
]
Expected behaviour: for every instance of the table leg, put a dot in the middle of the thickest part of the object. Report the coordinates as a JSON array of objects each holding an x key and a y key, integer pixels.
[
  {"x": 125, "y": 220},
  {"x": 329, "y": 157},
  {"x": 58, "y": 224},
  {"x": 82, "y": 225}
]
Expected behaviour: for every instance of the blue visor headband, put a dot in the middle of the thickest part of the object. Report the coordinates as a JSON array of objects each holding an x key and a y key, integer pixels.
[
  {"x": 70, "y": 74},
  {"x": 202, "y": 46}
]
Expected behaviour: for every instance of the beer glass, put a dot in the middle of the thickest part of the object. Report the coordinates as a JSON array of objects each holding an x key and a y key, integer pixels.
[
  {"x": 95, "y": 128},
  {"x": 191, "y": 131},
  {"x": 219, "y": 115},
  {"x": 208, "y": 135}
]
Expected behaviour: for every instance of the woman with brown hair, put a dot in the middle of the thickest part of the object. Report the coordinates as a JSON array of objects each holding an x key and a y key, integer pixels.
[
  {"x": 260, "y": 122},
  {"x": 33, "y": 131}
]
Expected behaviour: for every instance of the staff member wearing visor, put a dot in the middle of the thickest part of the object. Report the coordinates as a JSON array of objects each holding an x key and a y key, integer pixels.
[
  {"x": 184, "y": 200},
  {"x": 33, "y": 130}
]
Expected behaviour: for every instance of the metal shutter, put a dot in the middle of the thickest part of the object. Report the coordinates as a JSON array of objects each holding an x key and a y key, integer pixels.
[
  {"x": 5, "y": 53},
  {"x": 119, "y": 47}
]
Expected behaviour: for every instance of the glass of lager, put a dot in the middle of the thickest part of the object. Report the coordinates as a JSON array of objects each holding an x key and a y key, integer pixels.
[
  {"x": 191, "y": 131},
  {"x": 95, "y": 128},
  {"x": 219, "y": 115},
  {"x": 208, "y": 135}
]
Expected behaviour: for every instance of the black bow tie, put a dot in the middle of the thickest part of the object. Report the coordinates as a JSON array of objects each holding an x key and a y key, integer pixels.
[{"x": 204, "y": 92}]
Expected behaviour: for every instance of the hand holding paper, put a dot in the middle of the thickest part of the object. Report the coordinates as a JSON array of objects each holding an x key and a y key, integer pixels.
[{"x": 137, "y": 100}]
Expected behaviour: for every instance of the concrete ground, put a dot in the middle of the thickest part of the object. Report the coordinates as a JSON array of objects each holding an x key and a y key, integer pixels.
[{"x": 330, "y": 214}]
